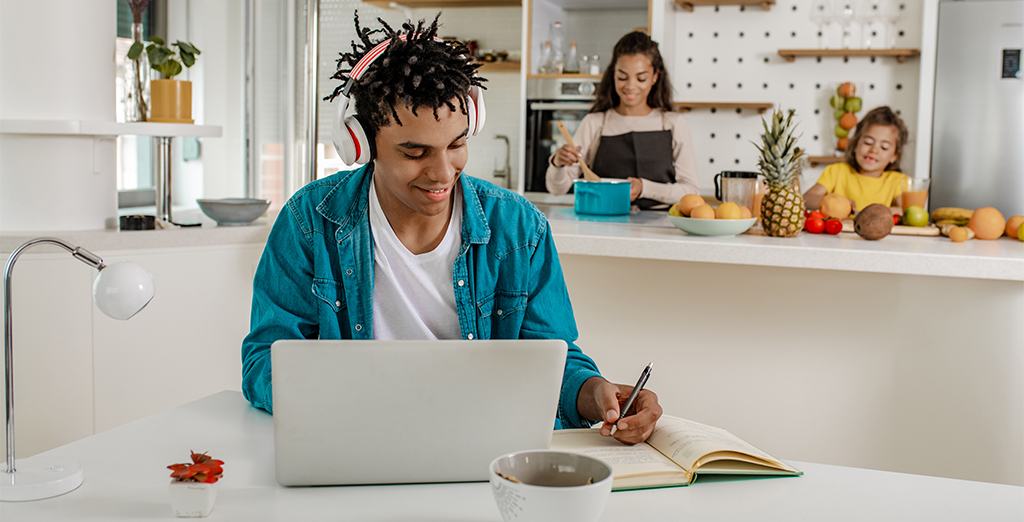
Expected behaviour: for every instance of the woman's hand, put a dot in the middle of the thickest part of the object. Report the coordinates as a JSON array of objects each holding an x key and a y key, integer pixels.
[
  {"x": 635, "y": 188},
  {"x": 566, "y": 155},
  {"x": 601, "y": 400}
]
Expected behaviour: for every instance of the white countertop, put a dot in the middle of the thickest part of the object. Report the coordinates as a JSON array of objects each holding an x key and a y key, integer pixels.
[
  {"x": 650, "y": 235},
  {"x": 647, "y": 235},
  {"x": 126, "y": 478}
]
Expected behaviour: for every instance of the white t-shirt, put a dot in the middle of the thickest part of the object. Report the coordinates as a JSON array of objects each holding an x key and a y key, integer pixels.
[{"x": 413, "y": 296}]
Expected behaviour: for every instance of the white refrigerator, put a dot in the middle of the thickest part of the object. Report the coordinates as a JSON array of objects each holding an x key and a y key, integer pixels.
[{"x": 978, "y": 126}]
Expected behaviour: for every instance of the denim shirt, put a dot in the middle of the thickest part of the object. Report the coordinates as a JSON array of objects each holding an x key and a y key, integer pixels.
[{"x": 315, "y": 279}]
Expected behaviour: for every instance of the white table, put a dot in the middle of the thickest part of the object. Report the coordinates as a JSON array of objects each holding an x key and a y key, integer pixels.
[{"x": 126, "y": 478}]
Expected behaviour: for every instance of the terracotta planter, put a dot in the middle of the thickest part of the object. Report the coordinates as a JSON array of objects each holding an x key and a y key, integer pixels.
[
  {"x": 192, "y": 499},
  {"x": 170, "y": 101}
]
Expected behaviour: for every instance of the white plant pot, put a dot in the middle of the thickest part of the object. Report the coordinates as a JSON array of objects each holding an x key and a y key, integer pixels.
[{"x": 192, "y": 499}]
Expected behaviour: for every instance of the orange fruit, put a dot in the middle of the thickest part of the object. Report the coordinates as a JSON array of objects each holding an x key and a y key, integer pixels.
[
  {"x": 745, "y": 212},
  {"x": 728, "y": 210},
  {"x": 690, "y": 202},
  {"x": 847, "y": 90},
  {"x": 848, "y": 121},
  {"x": 703, "y": 212},
  {"x": 1013, "y": 224},
  {"x": 835, "y": 206},
  {"x": 842, "y": 143},
  {"x": 958, "y": 234},
  {"x": 987, "y": 223}
]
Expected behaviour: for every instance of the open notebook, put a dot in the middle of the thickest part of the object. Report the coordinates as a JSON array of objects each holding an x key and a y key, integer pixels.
[{"x": 674, "y": 455}]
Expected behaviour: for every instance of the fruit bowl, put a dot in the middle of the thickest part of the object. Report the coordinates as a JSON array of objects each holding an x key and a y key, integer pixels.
[
  {"x": 233, "y": 211},
  {"x": 712, "y": 227}
]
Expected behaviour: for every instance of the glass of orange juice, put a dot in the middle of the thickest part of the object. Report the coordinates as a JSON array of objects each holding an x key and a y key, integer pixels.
[{"x": 915, "y": 192}]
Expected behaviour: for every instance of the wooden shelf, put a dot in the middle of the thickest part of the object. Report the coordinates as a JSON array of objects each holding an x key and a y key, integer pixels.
[
  {"x": 901, "y": 55},
  {"x": 688, "y": 5},
  {"x": 505, "y": 66},
  {"x": 824, "y": 160},
  {"x": 108, "y": 128},
  {"x": 415, "y": 4},
  {"x": 689, "y": 106}
]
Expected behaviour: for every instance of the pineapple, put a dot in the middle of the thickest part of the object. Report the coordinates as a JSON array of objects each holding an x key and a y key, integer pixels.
[{"x": 782, "y": 209}]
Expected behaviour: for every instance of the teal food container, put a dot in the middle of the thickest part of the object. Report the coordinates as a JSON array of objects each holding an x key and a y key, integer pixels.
[{"x": 604, "y": 198}]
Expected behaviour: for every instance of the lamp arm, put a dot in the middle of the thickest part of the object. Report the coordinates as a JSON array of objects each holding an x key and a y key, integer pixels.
[{"x": 82, "y": 255}]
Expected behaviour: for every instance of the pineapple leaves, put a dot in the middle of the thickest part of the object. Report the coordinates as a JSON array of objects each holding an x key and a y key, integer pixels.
[{"x": 779, "y": 154}]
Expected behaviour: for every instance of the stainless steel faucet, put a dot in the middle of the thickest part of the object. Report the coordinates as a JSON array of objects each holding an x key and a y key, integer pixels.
[{"x": 506, "y": 171}]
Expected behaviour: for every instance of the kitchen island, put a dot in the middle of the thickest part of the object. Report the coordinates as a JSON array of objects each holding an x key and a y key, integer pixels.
[{"x": 904, "y": 354}]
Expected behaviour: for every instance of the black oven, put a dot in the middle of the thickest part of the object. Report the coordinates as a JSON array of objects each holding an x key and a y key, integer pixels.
[{"x": 549, "y": 100}]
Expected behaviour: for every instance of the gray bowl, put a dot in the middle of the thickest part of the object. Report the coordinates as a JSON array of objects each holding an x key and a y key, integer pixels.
[{"x": 233, "y": 211}]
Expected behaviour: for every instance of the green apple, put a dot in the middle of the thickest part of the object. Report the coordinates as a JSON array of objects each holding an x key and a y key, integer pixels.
[
  {"x": 1020, "y": 232},
  {"x": 838, "y": 113},
  {"x": 915, "y": 216},
  {"x": 841, "y": 132},
  {"x": 837, "y": 101},
  {"x": 853, "y": 104}
]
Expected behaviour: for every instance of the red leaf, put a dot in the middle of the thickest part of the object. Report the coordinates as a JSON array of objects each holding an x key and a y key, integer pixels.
[{"x": 177, "y": 467}]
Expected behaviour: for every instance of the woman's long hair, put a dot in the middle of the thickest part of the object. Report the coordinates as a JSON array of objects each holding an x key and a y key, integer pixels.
[{"x": 636, "y": 42}]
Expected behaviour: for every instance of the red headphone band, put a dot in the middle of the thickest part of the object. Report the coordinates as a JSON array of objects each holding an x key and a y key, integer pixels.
[{"x": 369, "y": 58}]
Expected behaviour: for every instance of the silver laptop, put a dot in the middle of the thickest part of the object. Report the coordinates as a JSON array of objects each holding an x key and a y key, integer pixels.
[{"x": 390, "y": 412}]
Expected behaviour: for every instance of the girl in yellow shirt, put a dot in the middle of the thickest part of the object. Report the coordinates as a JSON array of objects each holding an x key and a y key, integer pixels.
[{"x": 871, "y": 170}]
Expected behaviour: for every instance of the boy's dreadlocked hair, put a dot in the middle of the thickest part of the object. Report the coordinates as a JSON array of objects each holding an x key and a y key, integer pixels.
[{"x": 418, "y": 72}]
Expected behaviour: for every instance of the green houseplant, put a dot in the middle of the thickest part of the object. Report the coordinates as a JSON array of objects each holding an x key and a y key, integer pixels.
[{"x": 171, "y": 100}]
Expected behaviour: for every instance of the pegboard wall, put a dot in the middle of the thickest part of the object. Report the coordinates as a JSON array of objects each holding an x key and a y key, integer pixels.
[{"x": 730, "y": 54}]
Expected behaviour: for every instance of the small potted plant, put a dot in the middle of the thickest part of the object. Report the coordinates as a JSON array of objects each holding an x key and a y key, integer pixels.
[
  {"x": 170, "y": 99},
  {"x": 194, "y": 485}
]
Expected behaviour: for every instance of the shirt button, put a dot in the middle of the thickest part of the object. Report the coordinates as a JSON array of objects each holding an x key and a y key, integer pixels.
[
  {"x": 359, "y": 327},
  {"x": 348, "y": 272},
  {"x": 470, "y": 337},
  {"x": 461, "y": 282},
  {"x": 338, "y": 304},
  {"x": 499, "y": 311}
]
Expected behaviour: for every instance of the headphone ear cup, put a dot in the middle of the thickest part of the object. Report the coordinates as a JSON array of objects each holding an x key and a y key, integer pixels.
[
  {"x": 362, "y": 147},
  {"x": 477, "y": 111}
]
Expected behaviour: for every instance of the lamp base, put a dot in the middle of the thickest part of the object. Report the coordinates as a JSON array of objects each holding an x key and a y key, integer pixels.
[{"x": 37, "y": 478}]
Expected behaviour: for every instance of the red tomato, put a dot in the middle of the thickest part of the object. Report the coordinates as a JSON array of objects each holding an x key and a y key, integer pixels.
[
  {"x": 817, "y": 214},
  {"x": 815, "y": 225},
  {"x": 833, "y": 226},
  {"x": 896, "y": 218}
]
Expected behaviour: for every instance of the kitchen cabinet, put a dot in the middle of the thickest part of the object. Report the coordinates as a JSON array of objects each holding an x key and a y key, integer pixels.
[{"x": 79, "y": 372}]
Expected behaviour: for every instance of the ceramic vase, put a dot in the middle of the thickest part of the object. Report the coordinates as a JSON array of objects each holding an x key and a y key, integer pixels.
[
  {"x": 192, "y": 499},
  {"x": 171, "y": 101},
  {"x": 136, "y": 103}
]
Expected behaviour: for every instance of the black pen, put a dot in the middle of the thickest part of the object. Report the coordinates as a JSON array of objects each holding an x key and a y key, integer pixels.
[{"x": 632, "y": 396}]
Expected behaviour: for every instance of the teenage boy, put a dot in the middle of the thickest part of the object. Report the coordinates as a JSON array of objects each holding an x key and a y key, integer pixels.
[{"x": 406, "y": 247}]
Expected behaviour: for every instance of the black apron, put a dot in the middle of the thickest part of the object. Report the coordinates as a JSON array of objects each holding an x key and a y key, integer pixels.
[{"x": 645, "y": 155}]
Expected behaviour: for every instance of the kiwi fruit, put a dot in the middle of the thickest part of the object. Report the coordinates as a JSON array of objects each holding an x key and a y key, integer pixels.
[{"x": 874, "y": 222}]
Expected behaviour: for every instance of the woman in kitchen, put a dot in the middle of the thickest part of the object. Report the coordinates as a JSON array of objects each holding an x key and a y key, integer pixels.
[{"x": 632, "y": 131}]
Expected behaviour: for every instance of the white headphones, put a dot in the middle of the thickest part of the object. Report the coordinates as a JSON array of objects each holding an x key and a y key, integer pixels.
[{"x": 349, "y": 135}]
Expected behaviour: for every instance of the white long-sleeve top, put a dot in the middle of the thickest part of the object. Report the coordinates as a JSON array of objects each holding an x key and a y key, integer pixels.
[{"x": 559, "y": 179}]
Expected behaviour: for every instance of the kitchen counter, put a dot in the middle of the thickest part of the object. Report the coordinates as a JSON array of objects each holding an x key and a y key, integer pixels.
[{"x": 650, "y": 235}]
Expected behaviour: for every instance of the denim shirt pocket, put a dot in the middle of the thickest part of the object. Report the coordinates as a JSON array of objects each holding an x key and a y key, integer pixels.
[
  {"x": 330, "y": 293},
  {"x": 500, "y": 314}
]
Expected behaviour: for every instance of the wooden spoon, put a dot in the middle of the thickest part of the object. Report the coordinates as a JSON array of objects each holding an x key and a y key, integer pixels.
[{"x": 587, "y": 173}]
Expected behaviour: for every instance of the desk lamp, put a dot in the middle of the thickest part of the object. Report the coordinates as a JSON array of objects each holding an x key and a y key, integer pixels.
[{"x": 121, "y": 290}]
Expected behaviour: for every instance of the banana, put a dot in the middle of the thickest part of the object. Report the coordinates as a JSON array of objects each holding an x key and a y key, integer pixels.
[
  {"x": 953, "y": 222},
  {"x": 959, "y": 214}
]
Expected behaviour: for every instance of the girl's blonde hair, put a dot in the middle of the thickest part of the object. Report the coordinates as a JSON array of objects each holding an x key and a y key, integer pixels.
[{"x": 878, "y": 116}]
